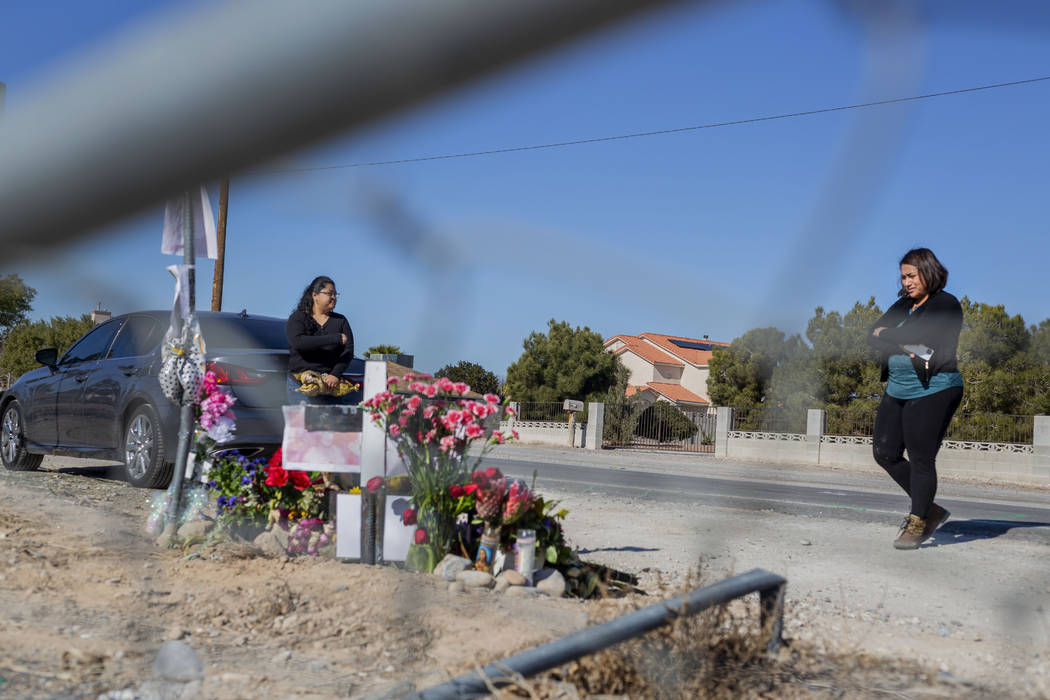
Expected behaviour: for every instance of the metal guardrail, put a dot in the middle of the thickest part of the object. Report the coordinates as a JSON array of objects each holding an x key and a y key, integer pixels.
[
  {"x": 770, "y": 588},
  {"x": 769, "y": 420}
]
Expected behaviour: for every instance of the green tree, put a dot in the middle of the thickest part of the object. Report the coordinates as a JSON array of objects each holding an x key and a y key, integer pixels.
[
  {"x": 621, "y": 412},
  {"x": 741, "y": 374},
  {"x": 990, "y": 335},
  {"x": 664, "y": 422},
  {"x": 382, "y": 350},
  {"x": 564, "y": 363},
  {"x": 480, "y": 379},
  {"x": 848, "y": 368},
  {"x": 1039, "y": 347},
  {"x": 24, "y": 340},
  {"x": 15, "y": 303}
]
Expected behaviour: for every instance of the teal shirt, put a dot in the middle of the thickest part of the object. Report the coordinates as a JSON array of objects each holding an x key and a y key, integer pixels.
[{"x": 904, "y": 382}]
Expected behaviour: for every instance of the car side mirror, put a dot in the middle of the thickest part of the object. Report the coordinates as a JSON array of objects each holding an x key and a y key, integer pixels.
[{"x": 47, "y": 357}]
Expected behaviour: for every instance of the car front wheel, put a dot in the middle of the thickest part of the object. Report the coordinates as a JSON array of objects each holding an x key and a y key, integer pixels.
[
  {"x": 12, "y": 441},
  {"x": 145, "y": 462}
]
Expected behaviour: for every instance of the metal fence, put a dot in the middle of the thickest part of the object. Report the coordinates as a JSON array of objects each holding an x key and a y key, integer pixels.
[
  {"x": 965, "y": 427},
  {"x": 551, "y": 412},
  {"x": 660, "y": 426},
  {"x": 769, "y": 420}
]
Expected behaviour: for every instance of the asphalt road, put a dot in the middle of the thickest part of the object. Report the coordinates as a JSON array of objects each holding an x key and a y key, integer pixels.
[{"x": 971, "y": 517}]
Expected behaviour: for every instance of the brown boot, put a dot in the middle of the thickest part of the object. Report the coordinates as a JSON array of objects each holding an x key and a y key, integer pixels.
[
  {"x": 935, "y": 517},
  {"x": 911, "y": 534}
]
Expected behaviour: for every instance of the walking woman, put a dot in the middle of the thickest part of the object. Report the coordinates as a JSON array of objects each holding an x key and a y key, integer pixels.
[
  {"x": 917, "y": 338},
  {"x": 320, "y": 341}
]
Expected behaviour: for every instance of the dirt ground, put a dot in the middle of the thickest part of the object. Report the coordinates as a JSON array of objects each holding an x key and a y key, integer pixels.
[{"x": 87, "y": 599}]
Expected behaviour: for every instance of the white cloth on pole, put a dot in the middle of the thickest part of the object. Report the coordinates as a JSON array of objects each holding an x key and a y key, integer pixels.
[{"x": 205, "y": 240}]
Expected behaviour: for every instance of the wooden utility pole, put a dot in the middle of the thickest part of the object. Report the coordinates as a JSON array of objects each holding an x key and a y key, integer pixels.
[{"x": 220, "y": 235}]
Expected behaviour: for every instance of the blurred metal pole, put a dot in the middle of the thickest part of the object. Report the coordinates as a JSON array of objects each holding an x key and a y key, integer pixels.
[
  {"x": 220, "y": 235},
  {"x": 3, "y": 97},
  {"x": 182, "y": 449},
  {"x": 201, "y": 97}
]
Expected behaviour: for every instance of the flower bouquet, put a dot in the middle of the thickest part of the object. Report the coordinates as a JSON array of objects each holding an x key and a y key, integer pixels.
[{"x": 433, "y": 424}]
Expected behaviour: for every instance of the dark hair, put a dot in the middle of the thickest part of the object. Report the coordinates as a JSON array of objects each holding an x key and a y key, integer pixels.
[
  {"x": 306, "y": 302},
  {"x": 934, "y": 275}
]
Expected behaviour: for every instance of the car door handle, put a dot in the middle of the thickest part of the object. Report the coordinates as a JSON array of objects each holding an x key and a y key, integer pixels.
[{"x": 128, "y": 370}]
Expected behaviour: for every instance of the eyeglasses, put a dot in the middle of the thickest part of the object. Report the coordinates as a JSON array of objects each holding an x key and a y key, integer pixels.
[{"x": 331, "y": 295}]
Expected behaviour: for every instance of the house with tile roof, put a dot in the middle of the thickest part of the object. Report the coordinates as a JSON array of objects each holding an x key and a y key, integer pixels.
[{"x": 666, "y": 367}]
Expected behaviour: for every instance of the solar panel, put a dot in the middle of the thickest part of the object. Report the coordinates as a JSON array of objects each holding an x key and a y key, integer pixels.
[{"x": 691, "y": 344}]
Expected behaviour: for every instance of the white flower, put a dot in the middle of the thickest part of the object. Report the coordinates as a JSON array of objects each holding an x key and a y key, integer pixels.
[{"x": 222, "y": 430}]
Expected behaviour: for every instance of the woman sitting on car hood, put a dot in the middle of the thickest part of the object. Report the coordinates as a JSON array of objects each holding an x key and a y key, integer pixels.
[{"x": 321, "y": 347}]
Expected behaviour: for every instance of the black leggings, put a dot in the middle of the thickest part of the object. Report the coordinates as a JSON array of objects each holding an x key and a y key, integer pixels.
[{"x": 917, "y": 425}]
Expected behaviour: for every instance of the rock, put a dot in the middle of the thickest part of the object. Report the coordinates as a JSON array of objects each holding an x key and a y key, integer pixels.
[
  {"x": 450, "y": 566},
  {"x": 456, "y": 587},
  {"x": 551, "y": 582},
  {"x": 475, "y": 579},
  {"x": 273, "y": 543},
  {"x": 512, "y": 577},
  {"x": 523, "y": 592},
  {"x": 174, "y": 633},
  {"x": 194, "y": 528},
  {"x": 168, "y": 690},
  {"x": 177, "y": 661},
  {"x": 806, "y": 543},
  {"x": 501, "y": 585}
]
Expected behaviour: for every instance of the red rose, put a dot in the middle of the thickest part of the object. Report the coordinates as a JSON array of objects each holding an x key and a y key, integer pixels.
[
  {"x": 470, "y": 488},
  {"x": 492, "y": 473},
  {"x": 421, "y": 536},
  {"x": 300, "y": 480},
  {"x": 277, "y": 459},
  {"x": 276, "y": 475},
  {"x": 456, "y": 491},
  {"x": 374, "y": 484},
  {"x": 408, "y": 517}
]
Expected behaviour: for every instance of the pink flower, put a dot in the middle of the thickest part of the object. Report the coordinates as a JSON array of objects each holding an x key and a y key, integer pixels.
[
  {"x": 447, "y": 443},
  {"x": 414, "y": 402},
  {"x": 515, "y": 434},
  {"x": 452, "y": 419},
  {"x": 497, "y": 437},
  {"x": 421, "y": 536},
  {"x": 429, "y": 411},
  {"x": 445, "y": 384},
  {"x": 474, "y": 430},
  {"x": 479, "y": 409},
  {"x": 417, "y": 387},
  {"x": 394, "y": 431},
  {"x": 430, "y": 435},
  {"x": 409, "y": 377},
  {"x": 392, "y": 381},
  {"x": 431, "y": 391},
  {"x": 491, "y": 398},
  {"x": 461, "y": 387},
  {"x": 374, "y": 484},
  {"x": 403, "y": 421},
  {"x": 511, "y": 412}
]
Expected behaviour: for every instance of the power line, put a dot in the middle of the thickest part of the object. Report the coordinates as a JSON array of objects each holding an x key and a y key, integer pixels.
[{"x": 660, "y": 132}]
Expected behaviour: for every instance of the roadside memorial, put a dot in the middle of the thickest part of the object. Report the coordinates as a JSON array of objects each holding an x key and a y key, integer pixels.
[{"x": 429, "y": 496}]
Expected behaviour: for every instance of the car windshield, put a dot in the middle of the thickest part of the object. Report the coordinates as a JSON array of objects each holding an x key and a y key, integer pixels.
[{"x": 253, "y": 333}]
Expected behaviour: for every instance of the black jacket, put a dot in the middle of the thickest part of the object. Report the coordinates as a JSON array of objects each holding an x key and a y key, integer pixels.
[
  {"x": 935, "y": 324},
  {"x": 317, "y": 347}
]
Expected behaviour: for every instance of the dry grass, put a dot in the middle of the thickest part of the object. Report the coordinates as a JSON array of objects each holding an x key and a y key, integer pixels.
[{"x": 720, "y": 654}]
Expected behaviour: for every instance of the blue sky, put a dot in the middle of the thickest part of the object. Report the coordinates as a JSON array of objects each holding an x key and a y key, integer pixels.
[{"x": 712, "y": 231}]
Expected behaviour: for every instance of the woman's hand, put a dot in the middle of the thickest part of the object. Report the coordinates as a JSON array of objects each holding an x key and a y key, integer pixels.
[
  {"x": 342, "y": 338},
  {"x": 878, "y": 330},
  {"x": 331, "y": 381}
]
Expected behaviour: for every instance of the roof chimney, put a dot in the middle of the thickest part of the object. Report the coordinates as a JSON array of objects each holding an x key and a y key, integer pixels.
[{"x": 100, "y": 315}]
